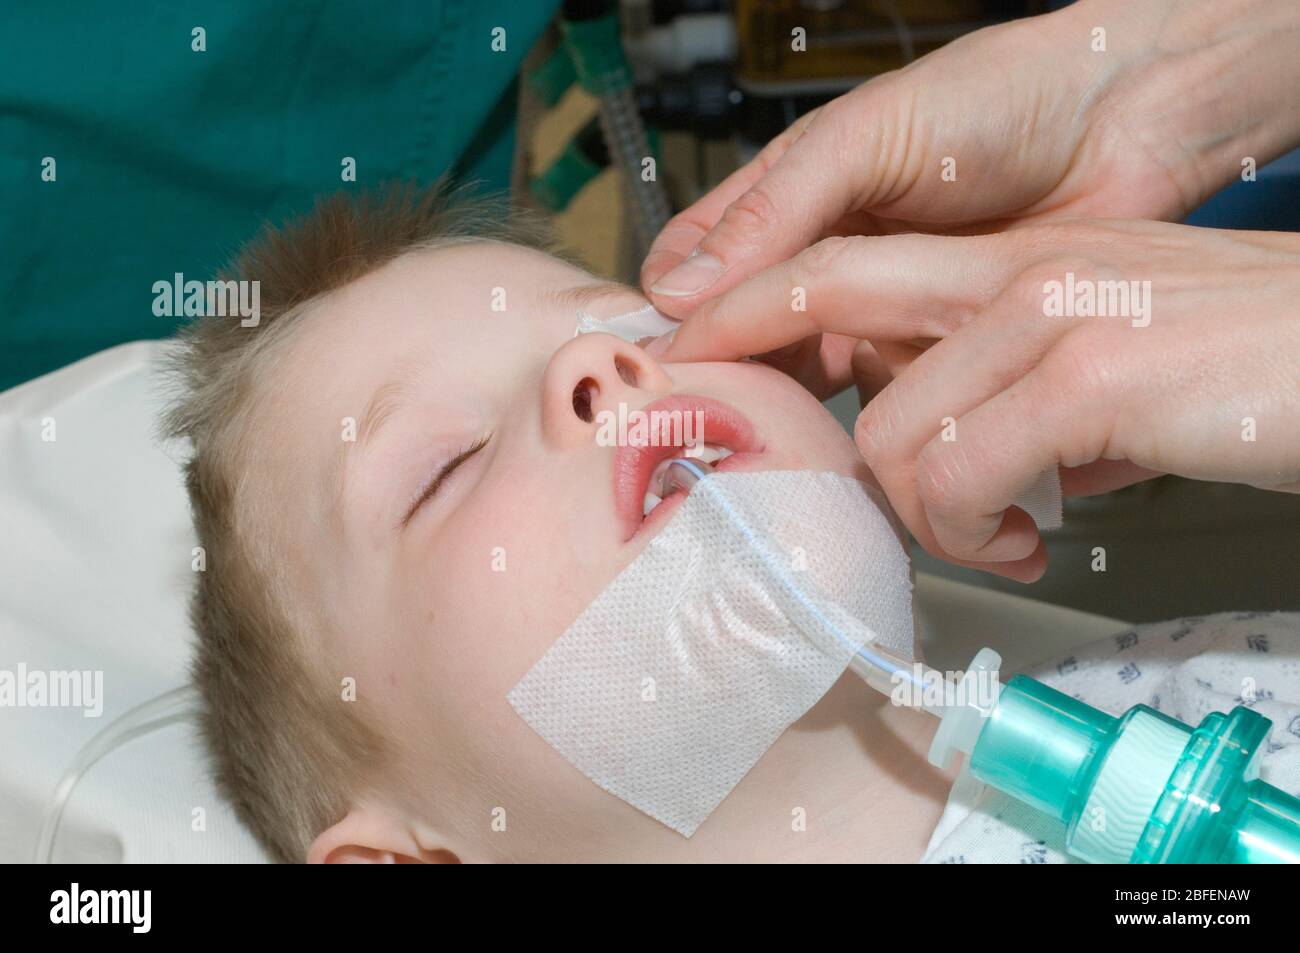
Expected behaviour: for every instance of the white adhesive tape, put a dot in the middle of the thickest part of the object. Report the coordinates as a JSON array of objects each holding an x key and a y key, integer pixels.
[{"x": 735, "y": 620}]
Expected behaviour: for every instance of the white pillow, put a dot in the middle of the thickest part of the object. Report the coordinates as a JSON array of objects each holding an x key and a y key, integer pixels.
[{"x": 95, "y": 575}]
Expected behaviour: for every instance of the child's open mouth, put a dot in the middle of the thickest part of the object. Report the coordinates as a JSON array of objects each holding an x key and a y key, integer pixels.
[
  {"x": 657, "y": 489},
  {"x": 699, "y": 428}
]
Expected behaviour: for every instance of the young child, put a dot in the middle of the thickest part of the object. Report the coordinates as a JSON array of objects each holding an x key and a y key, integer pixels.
[{"x": 397, "y": 480}]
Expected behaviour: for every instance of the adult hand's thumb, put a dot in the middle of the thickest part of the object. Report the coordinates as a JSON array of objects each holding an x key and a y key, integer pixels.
[{"x": 787, "y": 208}]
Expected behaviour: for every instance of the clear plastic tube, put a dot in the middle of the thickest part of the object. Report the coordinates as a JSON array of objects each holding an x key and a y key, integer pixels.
[
  {"x": 177, "y": 705},
  {"x": 878, "y": 667},
  {"x": 1173, "y": 793},
  {"x": 886, "y": 673},
  {"x": 682, "y": 474}
]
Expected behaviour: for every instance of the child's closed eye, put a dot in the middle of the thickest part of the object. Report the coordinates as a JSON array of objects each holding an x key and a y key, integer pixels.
[{"x": 428, "y": 491}]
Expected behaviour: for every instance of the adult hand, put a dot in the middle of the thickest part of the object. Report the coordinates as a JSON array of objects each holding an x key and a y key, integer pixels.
[
  {"x": 1198, "y": 374},
  {"x": 1013, "y": 125}
]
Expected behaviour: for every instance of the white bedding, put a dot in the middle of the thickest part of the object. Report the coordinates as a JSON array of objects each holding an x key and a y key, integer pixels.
[{"x": 94, "y": 571}]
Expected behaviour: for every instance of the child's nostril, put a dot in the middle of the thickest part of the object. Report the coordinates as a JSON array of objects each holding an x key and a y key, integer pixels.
[
  {"x": 582, "y": 399},
  {"x": 626, "y": 371}
]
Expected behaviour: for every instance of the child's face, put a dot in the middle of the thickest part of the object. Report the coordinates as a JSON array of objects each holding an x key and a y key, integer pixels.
[{"x": 440, "y": 615}]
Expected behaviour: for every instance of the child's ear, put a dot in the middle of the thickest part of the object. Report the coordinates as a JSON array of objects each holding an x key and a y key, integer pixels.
[{"x": 370, "y": 836}]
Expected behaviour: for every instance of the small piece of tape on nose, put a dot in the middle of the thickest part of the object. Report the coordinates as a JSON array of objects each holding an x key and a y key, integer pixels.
[{"x": 631, "y": 327}]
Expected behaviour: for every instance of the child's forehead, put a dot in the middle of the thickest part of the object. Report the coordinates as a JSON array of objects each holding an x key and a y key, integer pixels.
[
  {"x": 525, "y": 280},
  {"x": 452, "y": 307},
  {"x": 480, "y": 278},
  {"x": 479, "y": 266}
]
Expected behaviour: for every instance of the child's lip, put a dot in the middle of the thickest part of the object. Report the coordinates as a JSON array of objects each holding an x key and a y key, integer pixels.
[{"x": 724, "y": 426}]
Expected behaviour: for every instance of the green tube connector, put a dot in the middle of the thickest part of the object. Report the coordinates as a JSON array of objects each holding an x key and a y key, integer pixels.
[{"x": 1140, "y": 788}]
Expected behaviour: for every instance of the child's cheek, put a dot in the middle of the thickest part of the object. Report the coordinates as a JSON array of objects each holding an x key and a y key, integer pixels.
[{"x": 517, "y": 575}]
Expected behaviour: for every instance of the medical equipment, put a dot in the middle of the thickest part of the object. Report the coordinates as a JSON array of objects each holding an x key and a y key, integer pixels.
[
  {"x": 176, "y": 706},
  {"x": 591, "y": 36},
  {"x": 1140, "y": 788},
  {"x": 635, "y": 327},
  {"x": 668, "y": 688}
]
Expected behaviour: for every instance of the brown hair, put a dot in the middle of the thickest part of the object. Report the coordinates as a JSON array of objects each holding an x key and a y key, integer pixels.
[{"x": 290, "y": 757}]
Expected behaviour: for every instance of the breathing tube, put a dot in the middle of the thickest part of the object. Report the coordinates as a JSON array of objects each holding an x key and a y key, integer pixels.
[
  {"x": 1141, "y": 788},
  {"x": 178, "y": 705},
  {"x": 591, "y": 35}
]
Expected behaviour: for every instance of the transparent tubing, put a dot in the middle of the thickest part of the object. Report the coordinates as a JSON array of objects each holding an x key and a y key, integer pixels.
[
  {"x": 1164, "y": 792},
  {"x": 878, "y": 667},
  {"x": 682, "y": 474},
  {"x": 179, "y": 704}
]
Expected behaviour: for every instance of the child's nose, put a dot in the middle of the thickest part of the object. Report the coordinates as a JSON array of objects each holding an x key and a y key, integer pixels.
[{"x": 590, "y": 376}]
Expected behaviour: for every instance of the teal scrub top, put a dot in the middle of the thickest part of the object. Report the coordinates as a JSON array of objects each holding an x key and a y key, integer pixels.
[{"x": 133, "y": 147}]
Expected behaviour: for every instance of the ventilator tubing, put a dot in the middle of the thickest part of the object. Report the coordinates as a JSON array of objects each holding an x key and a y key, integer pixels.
[
  {"x": 176, "y": 706},
  {"x": 1142, "y": 788}
]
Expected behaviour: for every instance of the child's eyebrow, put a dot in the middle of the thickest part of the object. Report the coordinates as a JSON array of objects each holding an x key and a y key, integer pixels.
[
  {"x": 386, "y": 399},
  {"x": 579, "y": 296}
]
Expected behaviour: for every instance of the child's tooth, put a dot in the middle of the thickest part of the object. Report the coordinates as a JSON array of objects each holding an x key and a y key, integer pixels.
[
  {"x": 712, "y": 454},
  {"x": 651, "y": 501},
  {"x": 708, "y": 453}
]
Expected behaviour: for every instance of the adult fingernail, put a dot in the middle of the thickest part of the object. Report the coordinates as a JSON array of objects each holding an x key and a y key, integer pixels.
[
  {"x": 693, "y": 275},
  {"x": 660, "y": 344}
]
